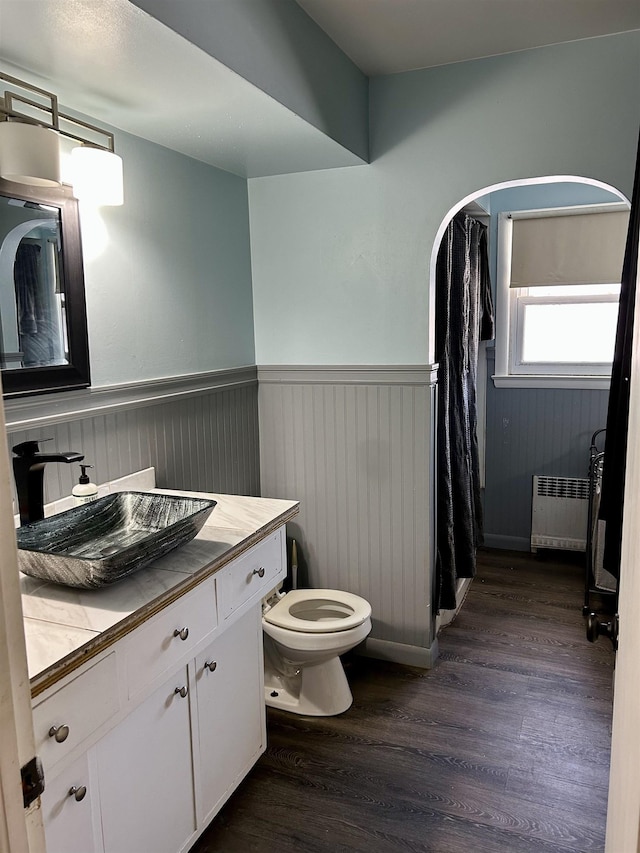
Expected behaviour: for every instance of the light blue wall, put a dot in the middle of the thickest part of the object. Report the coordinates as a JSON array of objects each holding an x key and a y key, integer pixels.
[
  {"x": 341, "y": 258},
  {"x": 170, "y": 293},
  {"x": 276, "y": 46}
]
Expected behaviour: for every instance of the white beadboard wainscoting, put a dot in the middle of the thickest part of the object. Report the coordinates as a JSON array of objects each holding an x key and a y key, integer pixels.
[
  {"x": 355, "y": 446},
  {"x": 199, "y": 432}
]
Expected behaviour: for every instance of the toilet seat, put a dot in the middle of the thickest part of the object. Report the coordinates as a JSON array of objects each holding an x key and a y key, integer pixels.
[{"x": 318, "y": 611}]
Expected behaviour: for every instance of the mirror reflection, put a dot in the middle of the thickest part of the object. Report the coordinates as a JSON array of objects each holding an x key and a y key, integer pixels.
[
  {"x": 43, "y": 327},
  {"x": 33, "y": 327}
]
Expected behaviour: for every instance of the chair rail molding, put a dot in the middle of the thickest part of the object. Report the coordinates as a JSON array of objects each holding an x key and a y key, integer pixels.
[
  {"x": 50, "y": 409},
  {"x": 394, "y": 374}
]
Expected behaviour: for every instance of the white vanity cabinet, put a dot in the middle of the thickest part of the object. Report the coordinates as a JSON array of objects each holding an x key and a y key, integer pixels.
[
  {"x": 250, "y": 576},
  {"x": 145, "y": 774},
  {"x": 229, "y": 694},
  {"x": 69, "y": 716},
  {"x": 170, "y": 637},
  {"x": 70, "y": 809},
  {"x": 65, "y": 722},
  {"x": 173, "y": 727}
]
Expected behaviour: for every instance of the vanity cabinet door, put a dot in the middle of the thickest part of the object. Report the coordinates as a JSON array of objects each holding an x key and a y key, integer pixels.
[
  {"x": 230, "y": 711},
  {"x": 70, "y": 811},
  {"x": 146, "y": 776}
]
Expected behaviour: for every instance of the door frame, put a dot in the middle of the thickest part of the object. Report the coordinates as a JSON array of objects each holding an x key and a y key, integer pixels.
[
  {"x": 623, "y": 813},
  {"x": 20, "y": 829}
]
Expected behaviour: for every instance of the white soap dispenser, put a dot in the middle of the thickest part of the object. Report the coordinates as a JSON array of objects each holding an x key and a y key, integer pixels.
[{"x": 84, "y": 491}]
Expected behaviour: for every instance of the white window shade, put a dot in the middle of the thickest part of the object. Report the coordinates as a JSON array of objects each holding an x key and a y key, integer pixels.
[{"x": 576, "y": 248}]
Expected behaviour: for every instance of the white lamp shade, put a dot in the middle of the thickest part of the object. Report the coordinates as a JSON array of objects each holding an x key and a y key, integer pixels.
[
  {"x": 29, "y": 154},
  {"x": 97, "y": 176}
]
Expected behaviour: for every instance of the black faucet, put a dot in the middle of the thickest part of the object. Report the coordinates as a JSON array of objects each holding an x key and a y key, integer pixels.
[{"x": 28, "y": 470}]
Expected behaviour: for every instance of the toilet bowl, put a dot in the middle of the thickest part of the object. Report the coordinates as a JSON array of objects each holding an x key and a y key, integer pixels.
[{"x": 305, "y": 633}]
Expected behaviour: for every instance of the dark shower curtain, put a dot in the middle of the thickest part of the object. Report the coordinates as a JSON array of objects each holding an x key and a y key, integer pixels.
[
  {"x": 38, "y": 331},
  {"x": 464, "y": 316},
  {"x": 26, "y": 274},
  {"x": 615, "y": 449}
]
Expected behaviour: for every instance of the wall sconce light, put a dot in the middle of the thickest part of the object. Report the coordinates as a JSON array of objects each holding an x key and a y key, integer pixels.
[
  {"x": 29, "y": 154},
  {"x": 97, "y": 175},
  {"x": 30, "y": 127}
]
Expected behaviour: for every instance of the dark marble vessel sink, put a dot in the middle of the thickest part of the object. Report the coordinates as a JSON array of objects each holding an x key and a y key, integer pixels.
[{"x": 101, "y": 542}]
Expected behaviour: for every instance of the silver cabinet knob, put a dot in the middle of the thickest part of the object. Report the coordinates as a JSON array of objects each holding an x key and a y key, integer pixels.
[
  {"x": 78, "y": 793},
  {"x": 259, "y": 572},
  {"x": 183, "y": 633},
  {"x": 181, "y": 691},
  {"x": 211, "y": 665},
  {"x": 60, "y": 733}
]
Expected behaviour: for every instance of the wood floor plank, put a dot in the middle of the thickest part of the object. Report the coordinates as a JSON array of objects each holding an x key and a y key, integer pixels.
[
  {"x": 503, "y": 747},
  {"x": 416, "y": 790},
  {"x": 545, "y": 788}
]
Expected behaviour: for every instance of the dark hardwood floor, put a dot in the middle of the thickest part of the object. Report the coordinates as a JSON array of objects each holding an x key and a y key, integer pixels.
[{"x": 503, "y": 747}]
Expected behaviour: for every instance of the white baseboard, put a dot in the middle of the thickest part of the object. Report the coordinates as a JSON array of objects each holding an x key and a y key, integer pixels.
[{"x": 402, "y": 653}]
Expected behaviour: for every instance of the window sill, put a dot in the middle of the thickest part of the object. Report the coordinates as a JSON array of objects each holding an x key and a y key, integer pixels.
[{"x": 591, "y": 383}]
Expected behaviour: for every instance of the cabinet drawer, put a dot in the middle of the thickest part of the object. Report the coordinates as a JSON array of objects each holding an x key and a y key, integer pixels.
[
  {"x": 252, "y": 575},
  {"x": 67, "y": 717},
  {"x": 169, "y": 636}
]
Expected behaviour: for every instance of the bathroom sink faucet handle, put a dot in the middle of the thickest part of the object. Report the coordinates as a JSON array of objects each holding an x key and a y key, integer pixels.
[
  {"x": 28, "y": 471},
  {"x": 183, "y": 633},
  {"x": 31, "y": 449},
  {"x": 28, "y": 448}
]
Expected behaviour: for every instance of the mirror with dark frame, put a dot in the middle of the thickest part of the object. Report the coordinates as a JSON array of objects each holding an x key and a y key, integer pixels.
[{"x": 43, "y": 323}]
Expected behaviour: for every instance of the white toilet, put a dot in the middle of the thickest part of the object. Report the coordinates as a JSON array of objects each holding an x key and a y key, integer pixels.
[{"x": 306, "y": 631}]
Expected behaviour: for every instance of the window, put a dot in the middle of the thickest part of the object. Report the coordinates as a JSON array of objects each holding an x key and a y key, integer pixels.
[{"x": 558, "y": 291}]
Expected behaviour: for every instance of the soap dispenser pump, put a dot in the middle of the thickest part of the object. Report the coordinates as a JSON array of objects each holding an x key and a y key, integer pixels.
[{"x": 85, "y": 491}]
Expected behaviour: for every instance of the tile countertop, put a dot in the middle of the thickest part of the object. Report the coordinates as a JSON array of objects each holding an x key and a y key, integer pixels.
[{"x": 64, "y": 627}]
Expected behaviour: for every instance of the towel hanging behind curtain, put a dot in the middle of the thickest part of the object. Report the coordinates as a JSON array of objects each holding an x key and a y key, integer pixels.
[{"x": 464, "y": 316}]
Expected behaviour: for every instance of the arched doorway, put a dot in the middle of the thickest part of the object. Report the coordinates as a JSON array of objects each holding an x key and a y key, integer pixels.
[{"x": 524, "y": 431}]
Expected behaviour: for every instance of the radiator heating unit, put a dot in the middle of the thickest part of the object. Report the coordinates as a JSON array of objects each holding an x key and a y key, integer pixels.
[{"x": 559, "y": 513}]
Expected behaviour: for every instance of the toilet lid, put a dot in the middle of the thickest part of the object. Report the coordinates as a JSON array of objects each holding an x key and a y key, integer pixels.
[{"x": 319, "y": 611}]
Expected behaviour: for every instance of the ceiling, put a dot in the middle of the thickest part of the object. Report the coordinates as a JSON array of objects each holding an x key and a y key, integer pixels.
[
  {"x": 113, "y": 62},
  {"x": 390, "y": 36}
]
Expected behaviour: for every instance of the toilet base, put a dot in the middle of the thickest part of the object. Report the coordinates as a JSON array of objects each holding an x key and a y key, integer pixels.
[{"x": 320, "y": 690}]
